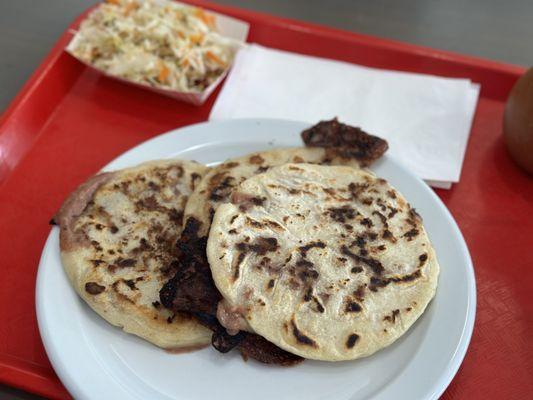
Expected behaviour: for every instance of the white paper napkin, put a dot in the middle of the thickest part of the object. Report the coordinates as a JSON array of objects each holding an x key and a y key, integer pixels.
[{"x": 426, "y": 119}]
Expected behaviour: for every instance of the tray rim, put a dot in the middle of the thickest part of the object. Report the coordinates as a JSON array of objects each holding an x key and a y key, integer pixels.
[
  {"x": 282, "y": 22},
  {"x": 467, "y": 62},
  {"x": 35, "y": 378}
]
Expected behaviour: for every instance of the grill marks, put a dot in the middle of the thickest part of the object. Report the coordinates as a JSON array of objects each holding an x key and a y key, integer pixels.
[
  {"x": 94, "y": 288},
  {"x": 360, "y": 242},
  {"x": 301, "y": 337},
  {"x": 221, "y": 186},
  {"x": 414, "y": 217},
  {"x": 387, "y": 235},
  {"x": 352, "y": 306},
  {"x": 385, "y": 212},
  {"x": 256, "y": 159},
  {"x": 356, "y": 189},
  {"x": 360, "y": 254},
  {"x": 246, "y": 201},
  {"x": 253, "y": 223},
  {"x": 260, "y": 247},
  {"x": 364, "y": 193},
  {"x": 367, "y": 222},
  {"x": 151, "y": 204},
  {"x": 372, "y": 263},
  {"x": 136, "y": 251},
  {"x": 273, "y": 225},
  {"x": 351, "y": 340},
  {"x": 303, "y": 270},
  {"x": 392, "y": 317},
  {"x": 292, "y": 191},
  {"x": 359, "y": 293},
  {"x": 125, "y": 262},
  {"x": 411, "y": 234},
  {"x": 265, "y": 224},
  {"x": 413, "y": 220},
  {"x": 316, "y": 244},
  {"x": 142, "y": 247},
  {"x": 407, "y": 278},
  {"x": 131, "y": 283},
  {"x": 342, "y": 214},
  {"x": 381, "y": 217},
  {"x": 118, "y": 288},
  {"x": 317, "y": 305},
  {"x": 120, "y": 262},
  {"x": 382, "y": 214},
  {"x": 237, "y": 266},
  {"x": 376, "y": 283}
]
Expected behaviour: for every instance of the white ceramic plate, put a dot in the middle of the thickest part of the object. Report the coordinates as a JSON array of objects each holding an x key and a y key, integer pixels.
[{"x": 95, "y": 360}]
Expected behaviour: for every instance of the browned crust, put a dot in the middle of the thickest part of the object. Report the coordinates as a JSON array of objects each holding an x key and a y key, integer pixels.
[
  {"x": 260, "y": 349},
  {"x": 73, "y": 207},
  {"x": 301, "y": 337},
  {"x": 351, "y": 340},
  {"x": 348, "y": 141},
  {"x": 192, "y": 290}
]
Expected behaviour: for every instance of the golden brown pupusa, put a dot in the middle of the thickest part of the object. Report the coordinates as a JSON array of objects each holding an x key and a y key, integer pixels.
[
  {"x": 326, "y": 262},
  {"x": 117, "y": 233}
]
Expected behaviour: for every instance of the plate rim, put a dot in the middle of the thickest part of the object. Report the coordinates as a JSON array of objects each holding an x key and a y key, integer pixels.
[{"x": 435, "y": 390}]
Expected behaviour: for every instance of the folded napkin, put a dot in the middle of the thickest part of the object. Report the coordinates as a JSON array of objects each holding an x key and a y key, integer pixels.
[{"x": 426, "y": 119}]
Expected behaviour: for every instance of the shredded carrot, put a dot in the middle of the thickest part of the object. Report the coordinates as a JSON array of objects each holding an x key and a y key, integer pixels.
[
  {"x": 196, "y": 39},
  {"x": 199, "y": 12},
  {"x": 208, "y": 19},
  {"x": 115, "y": 2},
  {"x": 181, "y": 34},
  {"x": 164, "y": 72},
  {"x": 184, "y": 62},
  {"x": 215, "y": 58},
  {"x": 130, "y": 7}
]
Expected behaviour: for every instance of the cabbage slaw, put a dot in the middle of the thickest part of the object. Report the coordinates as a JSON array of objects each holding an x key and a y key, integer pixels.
[{"x": 160, "y": 43}]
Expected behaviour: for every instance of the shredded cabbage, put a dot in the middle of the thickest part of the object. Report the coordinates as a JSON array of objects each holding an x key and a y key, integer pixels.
[{"x": 160, "y": 43}]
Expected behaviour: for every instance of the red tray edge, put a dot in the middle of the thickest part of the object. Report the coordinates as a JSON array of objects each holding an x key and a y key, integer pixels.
[
  {"x": 375, "y": 41},
  {"x": 32, "y": 87},
  {"x": 38, "y": 78},
  {"x": 31, "y": 377}
]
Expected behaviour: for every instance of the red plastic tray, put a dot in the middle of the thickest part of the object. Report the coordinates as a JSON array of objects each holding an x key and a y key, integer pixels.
[{"x": 68, "y": 121}]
